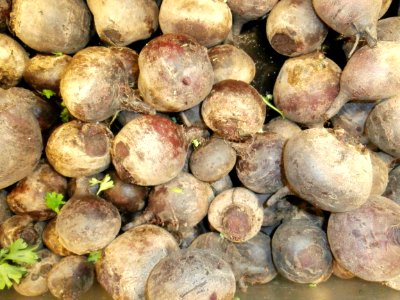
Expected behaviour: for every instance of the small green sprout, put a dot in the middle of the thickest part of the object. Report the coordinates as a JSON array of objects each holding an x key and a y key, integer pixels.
[
  {"x": 65, "y": 115},
  {"x": 94, "y": 256},
  {"x": 236, "y": 298},
  {"x": 312, "y": 285},
  {"x": 177, "y": 190},
  {"x": 104, "y": 184},
  {"x": 57, "y": 53},
  {"x": 173, "y": 119},
  {"x": 267, "y": 100},
  {"x": 47, "y": 93},
  {"x": 196, "y": 143},
  {"x": 54, "y": 201},
  {"x": 221, "y": 235}
]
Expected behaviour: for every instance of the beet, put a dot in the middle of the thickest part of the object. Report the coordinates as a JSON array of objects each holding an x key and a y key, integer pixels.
[
  {"x": 130, "y": 62},
  {"x": 191, "y": 274},
  {"x": 365, "y": 240},
  {"x": 124, "y": 22},
  {"x": 22, "y": 227},
  {"x": 297, "y": 92},
  {"x": 51, "y": 239},
  {"x": 5, "y": 211},
  {"x": 283, "y": 127},
  {"x": 380, "y": 174},
  {"x": 294, "y": 29},
  {"x": 234, "y": 110},
  {"x": 393, "y": 188},
  {"x": 340, "y": 271},
  {"x": 5, "y": 8},
  {"x": 225, "y": 183},
  {"x": 388, "y": 29},
  {"x": 301, "y": 253},
  {"x": 175, "y": 72}
]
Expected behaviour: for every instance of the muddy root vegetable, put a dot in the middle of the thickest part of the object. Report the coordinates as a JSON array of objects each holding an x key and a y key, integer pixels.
[
  {"x": 388, "y": 29},
  {"x": 191, "y": 274},
  {"x": 126, "y": 263},
  {"x": 393, "y": 188},
  {"x": 130, "y": 61},
  {"x": 382, "y": 126},
  {"x": 380, "y": 174},
  {"x": 230, "y": 62},
  {"x": 13, "y": 61},
  {"x": 225, "y": 183},
  {"x": 5, "y": 8},
  {"x": 62, "y": 26},
  {"x": 356, "y": 81},
  {"x": 71, "y": 277},
  {"x": 77, "y": 149},
  {"x": 294, "y": 29},
  {"x": 237, "y": 214},
  {"x": 366, "y": 240},
  {"x": 51, "y": 239},
  {"x": 234, "y": 110},
  {"x": 121, "y": 23},
  {"x": 300, "y": 95},
  {"x": 21, "y": 144},
  {"x": 339, "y": 271},
  {"x": 22, "y": 227},
  {"x": 251, "y": 261},
  {"x": 175, "y": 72},
  {"x": 351, "y": 18},
  {"x": 209, "y": 22},
  {"x": 301, "y": 253},
  {"x": 95, "y": 86},
  {"x": 283, "y": 127}
]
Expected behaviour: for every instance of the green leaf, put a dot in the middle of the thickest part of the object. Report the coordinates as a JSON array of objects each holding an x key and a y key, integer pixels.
[
  {"x": 104, "y": 184},
  {"x": 47, "y": 93},
  {"x": 236, "y": 298},
  {"x": 177, "y": 190},
  {"x": 267, "y": 100},
  {"x": 54, "y": 201},
  {"x": 57, "y": 53},
  {"x": 312, "y": 285},
  {"x": 20, "y": 253},
  {"x": 221, "y": 235},
  {"x": 94, "y": 256},
  {"x": 173, "y": 119},
  {"x": 196, "y": 143},
  {"x": 65, "y": 114},
  {"x": 10, "y": 272}
]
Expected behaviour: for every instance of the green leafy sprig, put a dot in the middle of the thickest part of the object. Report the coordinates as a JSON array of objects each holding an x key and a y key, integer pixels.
[{"x": 104, "y": 184}]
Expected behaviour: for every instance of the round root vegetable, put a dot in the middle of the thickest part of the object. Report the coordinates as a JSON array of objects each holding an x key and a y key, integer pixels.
[
  {"x": 234, "y": 110},
  {"x": 370, "y": 75},
  {"x": 339, "y": 271},
  {"x": 251, "y": 261},
  {"x": 365, "y": 241},
  {"x": 352, "y": 117},
  {"x": 87, "y": 223},
  {"x": 259, "y": 162},
  {"x": 149, "y": 150},
  {"x": 28, "y": 196},
  {"x": 5, "y": 212},
  {"x": 125, "y": 196},
  {"x": 77, "y": 149},
  {"x": 177, "y": 205},
  {"x": 306, "y": 87},
  {"x": 212, "y": 160},
  {"x": 388, "y": 29},
  {"x": 209, "y": 22},
  {"x": 13, "y": 61},
  {"x": 237, "y": 214},
  {"x": 191, "y": 274},
  {"x": 283, "y": 127},
  {"x": 95, "y": 86},
  {"x": 21, "y": 142},
  {"x": 327, "y": 169},
  {"x": 230, "y": 62},
  {"x": 126, "y": 263},
  {"x": 71, "y": 277},
  {"x": 382, "y": 126},
  {"x": 5, "y": 8},
  {"x": 384, "y": 8},
  {"x": 45, "y": 71},
  {"x": 61, "y": 26},
  {"x": 294, "y": 29},
  {"x": 175, "y": 72},
  {"x": 301, "y": 253},
  {"x": 393, "y": 188},
  {"x": 124, "y": 22},
  {"x": 225, "y": 183},
  {"x": 130, "y": 61},
  {"x": 380, "y": 174},
  {"x": 51, "y": 239},
  {"x": 34, "y": 282},
  {"x": 351, "y": 18},
  {"x": 22, "y": 227}
]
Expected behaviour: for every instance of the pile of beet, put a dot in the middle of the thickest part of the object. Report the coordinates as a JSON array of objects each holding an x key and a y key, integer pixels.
[{"x": 185, "y": 149}]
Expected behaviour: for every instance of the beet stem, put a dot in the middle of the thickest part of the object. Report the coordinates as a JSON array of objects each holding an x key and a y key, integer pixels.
[
  {"x": 133, "y": 102},
  {"x": 341, "y": 99},
  {"x": 145, "y": 218},
  {"x": 279, "y": 195},
  {"x": 354, "y": 46}
]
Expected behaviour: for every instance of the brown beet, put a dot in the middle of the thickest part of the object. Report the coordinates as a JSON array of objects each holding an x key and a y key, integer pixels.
[
  {"x": 393, "y": 188},
  {"x": 339, "y": 271},
  {"x": 283, "y": 127},
  {"x": 380, "y": 174},
  {"x": 51, "y": 239},
  {"x": 175, "y": 72},
  {"x": 130, "y": 62},
  {"x": 5, "y": 8},
  {"x": 294, "y": 29},
  {"x": 22, "y": 227},
  {"x": 5, "y": 211}
]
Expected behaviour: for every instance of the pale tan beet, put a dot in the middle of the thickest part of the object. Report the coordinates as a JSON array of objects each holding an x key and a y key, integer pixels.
[
  {"x": 130, "y": 61},
  {"x": 95, "y": 86},
  {"x": 237, "y": 214},
  {"x": 230, "y": 62},
  {"x": 370, "y": 75},
  {"x": 306, "y": 87},
  {"x": 13, "y": 61},
  {"x": 121, "y": 23},
  {"x": 384, "y": 8},
  {"x": 5, "y": 8},
  {"x": 233, "y": 110},
  {"x": 22, "y": 227},
  {"x": 175, "y": 72},
  {"x": 191, "y": 274},
  {"x": 388, "y": 29},
  {"x": 380, "y": 174},
  {"x": 209, "y": 22},
  {"x": 21, "y": 142},
  {"x": 71, "y": 277},
  {"x": 365, "y": 241},
  {"x": 87, "y": 223},
  {"x": 62, "y": 26},
  {"x": 44, "y": 71},
  {"x": 351, "y": 18},
  {"x": 382, "y": 126},
  {"x": 283, "y": 127},
  {"x": 339, "y": 271},
  {"x": 77, "y": 149},
  {"x": 128, "y": 260},
  {"x": 34, "y": 283},
  {"x": 51, "y": 239},
  {"x": 28, "y": 196},
  {"x": 294, "y": 29}
]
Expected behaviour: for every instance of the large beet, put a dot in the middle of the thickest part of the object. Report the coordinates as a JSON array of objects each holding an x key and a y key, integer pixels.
[
  {"x": 388, "y": 29},
  {"x": 366, "y": 240}
]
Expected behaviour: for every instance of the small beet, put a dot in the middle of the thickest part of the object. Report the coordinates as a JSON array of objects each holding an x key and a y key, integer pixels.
[
  {"x": 51, "y": 239},
  {"x": 22, "y": 227},
  {"x": 283, "y": 127},
  {"x": 393, "y": 188}
]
